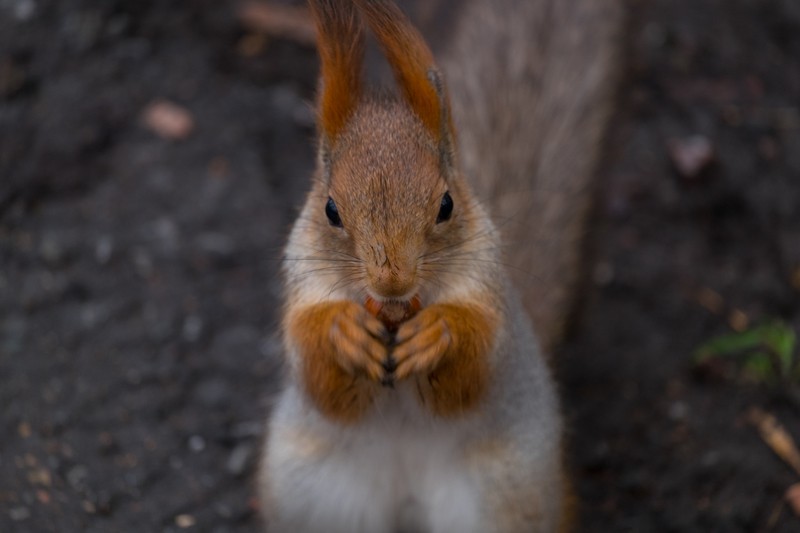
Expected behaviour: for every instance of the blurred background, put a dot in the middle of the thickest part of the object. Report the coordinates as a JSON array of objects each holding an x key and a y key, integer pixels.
[{"x": 152, "y": 155}]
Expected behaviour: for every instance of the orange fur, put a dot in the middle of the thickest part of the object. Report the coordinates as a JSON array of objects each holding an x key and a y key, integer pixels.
[
  {"x": 446, "y": 347},
  {"x": 386, "y": 163},
  {"x": 569, "y": 498},
  {"x": 340, "y": 36},
  {"x": 569, "y": 512},
  {"x": 342, "y": 356},
  {"x": 412, "y": 63}
]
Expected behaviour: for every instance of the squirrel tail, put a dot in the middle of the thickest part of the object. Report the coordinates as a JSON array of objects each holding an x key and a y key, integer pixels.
[{"x": 532, "y": 84}]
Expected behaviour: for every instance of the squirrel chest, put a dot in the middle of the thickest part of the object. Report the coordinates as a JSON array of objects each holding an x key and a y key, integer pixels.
[{"x": 398, "y": 470}]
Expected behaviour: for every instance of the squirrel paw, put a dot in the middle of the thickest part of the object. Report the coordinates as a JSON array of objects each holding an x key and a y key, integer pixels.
[
  {"x": 421, "y": 343},
  {"x": 343, "y": 350},
  {"x": 359, "y": 340},
  {"x": 445, "y": 346}
]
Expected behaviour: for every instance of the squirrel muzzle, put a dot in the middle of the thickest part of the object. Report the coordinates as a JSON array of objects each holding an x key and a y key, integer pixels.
[{"x": 392, "y": 282}]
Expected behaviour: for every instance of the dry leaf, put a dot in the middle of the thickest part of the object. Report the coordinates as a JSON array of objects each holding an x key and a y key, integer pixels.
[
  {"x": 184, "y": 521},
  {"x": 40, "y": 476},
  {"x": 711, "y": 300},
  {"x": 168, "y": 120},
  {"x": 793, "y": 498},
  {"x": 252, "y": 44},
  {"x": 776, "y": 437},
  {"x": 738, "y": 320},
  {"x": 24, "y": 430},
  {"x": 691, "y": 155},
  {"x": 289, "y": 22},
  {"x": 43, "y": 496}
]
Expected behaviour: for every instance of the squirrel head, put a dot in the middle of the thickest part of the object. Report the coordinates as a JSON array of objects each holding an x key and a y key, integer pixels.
[
  {"x": 388, "y": 197},
  {"x": 388, "y": 202}
]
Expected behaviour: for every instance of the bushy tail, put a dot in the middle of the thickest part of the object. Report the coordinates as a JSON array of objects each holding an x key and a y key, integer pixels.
[{"x": 532, "y": 84}]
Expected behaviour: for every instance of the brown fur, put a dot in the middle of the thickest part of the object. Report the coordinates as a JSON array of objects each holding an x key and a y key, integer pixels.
[
  {"x": 540, "y": 189},
  {"x": 386, "y": 182},
  {"x": 384, "y": 145},
  {"x": 412, "y": 63},
  {"x": 532, "y": 84},
  {"x": 340, "y": 38},
  {"x": 569, "y": 506},
  {"x": 446, "y": 346},
  {"x": 531, "y": 116},
  {"x": 342, "y": 356}
]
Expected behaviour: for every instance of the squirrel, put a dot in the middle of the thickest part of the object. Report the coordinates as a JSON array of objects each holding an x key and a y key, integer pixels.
[{"x": 417, "y": 396}]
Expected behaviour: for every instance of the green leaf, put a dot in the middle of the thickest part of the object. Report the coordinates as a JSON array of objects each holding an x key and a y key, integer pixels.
[
  {"x": 759, "y": 368},
  {"x": 782, "y": 340},
  {"x": 766, "y": 353},
  {"x": 730, "y": 344}
]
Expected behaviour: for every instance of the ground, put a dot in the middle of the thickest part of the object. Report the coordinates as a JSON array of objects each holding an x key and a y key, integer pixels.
[{"x": 138, "y": 288}]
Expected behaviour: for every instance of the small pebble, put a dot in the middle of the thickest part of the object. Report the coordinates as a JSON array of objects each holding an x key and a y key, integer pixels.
[
  {"x": 168, "y": 120},
  {"x": 240, "y": 458},
  {"x": 691, "y": 155},
  {"x": 103, "y": 249},
  {"x": 24, "y": 430},
  {"x": 678, "y": 411},
  {"x": 223, "y": 510},
  {"x": 51, "y": 250},
  {"x": 796, "y": 278},
  {"x": 18, "y": 514},
  {"x": 245, "y": 430},
  {"x": 184, "y": 521},
  {"x": 24, "y": 9},
  {"x": 77, "y": 476},
  {"x": 192, "y": 328},
  {"x": 271, "y": 347},
  {"x": 711, "y": 300},
  {"x": 217, "y": 244},
  {"x": 197, "y": 443},
  {"x": 603, "y": 274},
  {"x": 213, "y": 392},
  {"x": 43, "y": 496},
  {"x": 40, "y": 476},
  {"x": 143, "y": 262},
  {"x": 738, "y": 320}
]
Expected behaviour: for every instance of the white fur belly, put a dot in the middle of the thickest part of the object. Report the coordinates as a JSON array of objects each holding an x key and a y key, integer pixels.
[{"x": 397, "y": 471}]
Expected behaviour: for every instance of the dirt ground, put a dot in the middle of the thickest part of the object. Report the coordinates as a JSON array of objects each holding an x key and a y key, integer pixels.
[{"x": 138, "y": 290}]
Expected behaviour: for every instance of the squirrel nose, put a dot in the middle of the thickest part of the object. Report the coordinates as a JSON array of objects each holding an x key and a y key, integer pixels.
[
  {"x": 391, "y": 272},
  {"x": 392, "y": 282}
]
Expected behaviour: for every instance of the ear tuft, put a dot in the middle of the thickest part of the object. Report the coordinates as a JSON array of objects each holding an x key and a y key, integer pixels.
[
  {"x": 412, "y": 63},
  {"x": 447, "y": 140},
  {"x": 340, "y": 41}
]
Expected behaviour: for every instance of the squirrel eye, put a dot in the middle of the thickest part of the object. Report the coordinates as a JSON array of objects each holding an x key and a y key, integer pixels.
[
  {"x": 333, "y": 213},
  {"x": 446, "y": 208}
]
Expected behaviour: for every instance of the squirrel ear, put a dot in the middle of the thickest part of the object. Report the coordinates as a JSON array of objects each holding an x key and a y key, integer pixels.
[
  {"x": 340, "y": 41},
  {"x": 412, "y": 63},
  {"x": 447, "y": 133}
]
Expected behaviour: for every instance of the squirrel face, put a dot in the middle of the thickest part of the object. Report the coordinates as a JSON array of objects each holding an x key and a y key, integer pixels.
[{"x": 388, "y": 203}]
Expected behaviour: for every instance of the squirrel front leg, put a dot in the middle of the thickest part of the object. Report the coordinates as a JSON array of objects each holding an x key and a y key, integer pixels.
[
  {"x": 447, "y": 346},
  {"x": 343, "y": 351}
]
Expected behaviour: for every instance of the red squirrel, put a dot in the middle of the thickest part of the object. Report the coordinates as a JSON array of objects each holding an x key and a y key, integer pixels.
[{"x": 418, "y": 397}]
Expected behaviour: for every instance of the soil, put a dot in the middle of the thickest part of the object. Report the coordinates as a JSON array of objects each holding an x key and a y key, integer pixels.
[{"x": 138, "y": 288}]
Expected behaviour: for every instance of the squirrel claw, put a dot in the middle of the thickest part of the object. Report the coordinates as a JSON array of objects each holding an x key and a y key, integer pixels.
[{"x": 390, "y": 365}]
